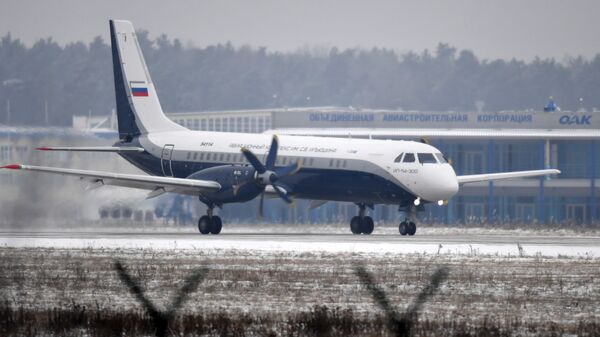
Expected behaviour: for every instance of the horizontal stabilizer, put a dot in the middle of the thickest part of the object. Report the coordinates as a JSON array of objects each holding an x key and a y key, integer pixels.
[
  {"x": 504, "y": 175},
  {"x": 92, "y": 149},
  {"x": 140, "y": 181}
]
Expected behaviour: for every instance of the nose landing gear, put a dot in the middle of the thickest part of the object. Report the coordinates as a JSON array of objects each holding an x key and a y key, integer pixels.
[
  {"x": 408, "y": 226},
  {"x": 362, "y": 224},
  {"x": 210, "y": 223}
]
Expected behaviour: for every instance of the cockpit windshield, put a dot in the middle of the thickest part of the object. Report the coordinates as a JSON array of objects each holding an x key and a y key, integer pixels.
[
  {"x": 409, "y": 158},
  {"x": 440, "y": 158},
  {"x": 427, "y": 158}
]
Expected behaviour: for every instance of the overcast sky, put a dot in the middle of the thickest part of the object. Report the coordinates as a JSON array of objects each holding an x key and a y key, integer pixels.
[{"x": 492, "y": 29}]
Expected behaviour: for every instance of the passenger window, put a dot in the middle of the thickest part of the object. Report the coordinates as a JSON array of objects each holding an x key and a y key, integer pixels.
[
  {"x": 399, "y": 158},
  {"x": 440, "y": 158},
  {"x": 189, "y": 155},
  {"x": 196, "y": 155},
  {"x": 427, "y": 158},
  {"x": 409, "y": 158}
]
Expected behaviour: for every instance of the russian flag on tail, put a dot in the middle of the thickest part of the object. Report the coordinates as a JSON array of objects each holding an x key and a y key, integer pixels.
[{"x": 139, "y": 89}]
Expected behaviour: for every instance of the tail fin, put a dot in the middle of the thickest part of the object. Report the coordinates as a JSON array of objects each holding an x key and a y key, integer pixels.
[{"x": 138, "y": 107}]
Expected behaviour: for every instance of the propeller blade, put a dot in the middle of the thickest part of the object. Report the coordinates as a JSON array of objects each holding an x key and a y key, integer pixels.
[
  {"x": 282, "y": 192},
  {"x": 288, "y": 170},
  {"x": 260, "y": 206},
  {"x": 272, "y": 155},
  {"x": 258, "y": 166}
]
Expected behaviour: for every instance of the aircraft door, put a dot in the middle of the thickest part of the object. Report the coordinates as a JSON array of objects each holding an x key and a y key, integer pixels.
[{"x": 165, "y": 160}]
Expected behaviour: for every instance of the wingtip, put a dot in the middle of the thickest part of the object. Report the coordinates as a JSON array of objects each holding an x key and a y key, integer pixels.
[
  {"x": 12, "y": 167},
  {"x": 43, "y": 149}
]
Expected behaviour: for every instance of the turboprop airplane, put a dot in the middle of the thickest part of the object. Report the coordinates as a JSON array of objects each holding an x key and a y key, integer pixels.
[{"x": 223, "y": 167}]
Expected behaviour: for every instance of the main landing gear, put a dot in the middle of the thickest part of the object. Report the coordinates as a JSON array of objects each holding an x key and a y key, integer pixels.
[
  {"x": 210, "y": 223},
  {"x": 362, "y": 224}
]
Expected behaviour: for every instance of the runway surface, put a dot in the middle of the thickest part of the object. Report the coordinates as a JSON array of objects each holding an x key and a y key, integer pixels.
[{"x": 429, "y": 241}]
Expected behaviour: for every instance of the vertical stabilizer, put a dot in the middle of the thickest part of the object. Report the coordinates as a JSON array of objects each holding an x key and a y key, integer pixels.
[{"x": 138, "y": 107}]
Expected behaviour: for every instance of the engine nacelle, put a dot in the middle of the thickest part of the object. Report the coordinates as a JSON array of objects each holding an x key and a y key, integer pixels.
[{"x": 238, "y": 183}]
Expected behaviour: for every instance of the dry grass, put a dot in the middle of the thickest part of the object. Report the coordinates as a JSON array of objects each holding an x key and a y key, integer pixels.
[{"x": 77, "y": 292}]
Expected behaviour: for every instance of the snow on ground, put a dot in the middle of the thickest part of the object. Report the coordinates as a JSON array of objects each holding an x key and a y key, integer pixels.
[{"x": 427, "y": 241}]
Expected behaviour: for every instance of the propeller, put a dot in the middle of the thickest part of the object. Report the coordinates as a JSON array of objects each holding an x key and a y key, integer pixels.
[{"x": 267, "y": 174}]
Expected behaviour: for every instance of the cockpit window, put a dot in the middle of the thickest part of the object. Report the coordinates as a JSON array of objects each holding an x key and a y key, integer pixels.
[
  {"x": 440, "y": 158},
  {"x": 427, "y": 158},
  {"x": 409, "y": 158},
  {"x": 399, "y": 158}
]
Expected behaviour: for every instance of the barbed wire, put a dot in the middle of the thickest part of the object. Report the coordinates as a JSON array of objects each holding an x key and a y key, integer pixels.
[
  {"x": 161, "y": 319},
  {"x": 401, "y": 323}
]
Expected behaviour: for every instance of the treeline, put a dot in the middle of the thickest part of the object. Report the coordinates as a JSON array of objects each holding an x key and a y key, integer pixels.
[{"x": 77, "y": 79}]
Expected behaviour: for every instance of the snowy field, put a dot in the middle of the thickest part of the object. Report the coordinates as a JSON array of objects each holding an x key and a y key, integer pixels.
[{"x": 291, "y": 284}]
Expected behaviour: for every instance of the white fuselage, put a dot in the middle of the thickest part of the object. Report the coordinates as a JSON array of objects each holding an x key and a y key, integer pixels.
[{"x": 429, "y": 181}]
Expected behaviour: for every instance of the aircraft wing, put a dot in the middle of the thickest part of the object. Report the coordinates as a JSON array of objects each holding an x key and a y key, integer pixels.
[
  {"x": 158, "y": 185},
  {"x": 93, "y": 148},
  {"x": 505, "y": 175}
]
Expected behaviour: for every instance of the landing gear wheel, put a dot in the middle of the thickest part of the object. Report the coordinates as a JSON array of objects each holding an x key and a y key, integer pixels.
[
  {"x": 216, "y": 225},
  {"x": 367, "y": 225},
  {"x": 355, "y": 225},
  {"x": 403, "y": 228},
  {"x": 412, "y": 228},
  {"x": 204, "y": 224}
]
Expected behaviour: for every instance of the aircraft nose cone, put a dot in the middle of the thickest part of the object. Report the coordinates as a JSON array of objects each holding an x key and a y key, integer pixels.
[
  {"x": 449, "y": 188},
  {"x": 446, "y": 186}
]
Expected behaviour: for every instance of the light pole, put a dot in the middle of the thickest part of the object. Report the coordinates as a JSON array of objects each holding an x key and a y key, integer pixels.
[{"x": 8, "y": 84}]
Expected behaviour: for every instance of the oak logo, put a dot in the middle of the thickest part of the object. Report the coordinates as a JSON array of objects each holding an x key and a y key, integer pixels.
[{"x": 575, "y": 120}]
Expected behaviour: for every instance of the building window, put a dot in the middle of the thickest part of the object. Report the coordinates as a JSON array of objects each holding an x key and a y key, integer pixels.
[
  {"x": 6, "y": 153},
  {"x": 261, "y": 124},
  {"x": 525, "y": 212},
  {"x": 196, "y": 124},
  {"x": 21, "y": 151},
  {"x": 576, "y": 213},
  {"x": 473, "y": 161},
  {"x": 217, "y": 124},
  {"x": 203, "y": 124},
  {"x": 246, "y": 126},
  {"x": 225, "y": 125}
]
